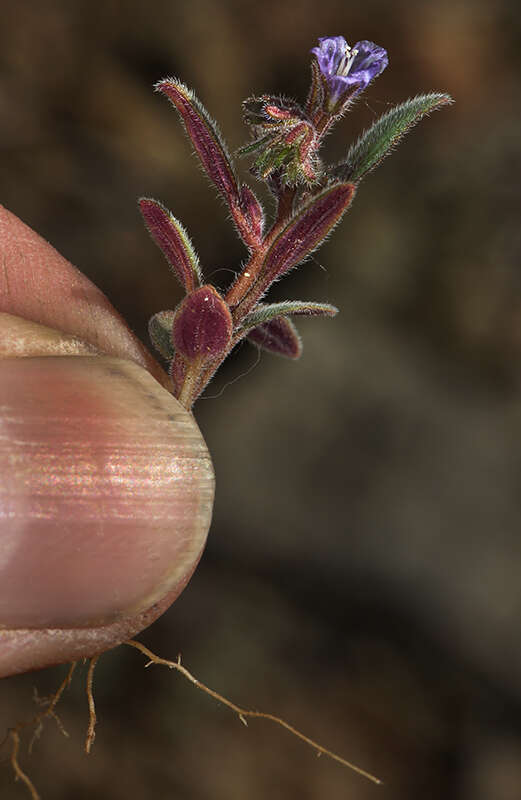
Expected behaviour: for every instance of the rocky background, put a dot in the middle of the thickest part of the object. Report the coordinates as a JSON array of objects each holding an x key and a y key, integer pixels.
[{"x": 363, "y": 572}]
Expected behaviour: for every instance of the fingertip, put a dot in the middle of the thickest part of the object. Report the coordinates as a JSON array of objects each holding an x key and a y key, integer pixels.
[{"x": 106, "y": 492}]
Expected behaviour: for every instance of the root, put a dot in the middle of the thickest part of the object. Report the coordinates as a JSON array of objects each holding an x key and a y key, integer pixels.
[
  {"x": 48, "y": 706},
  {"x": 91, "y": 730},
  {"x": 49, "y": 711},
  {"x": 244, "y": 713},
  {"x": 18, "y": 771}
]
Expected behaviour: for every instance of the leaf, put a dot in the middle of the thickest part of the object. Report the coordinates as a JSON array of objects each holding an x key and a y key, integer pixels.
[
  {"x": 160, "y": 332},
  {"x": 253, "y": 214},
  {"x": 378, "y": 141},
  {"x": 212, "y": 151},
  {"x": 206, "y": 137},
  {"x": 265, "y": 312},
  {"x": 202, "y": 326},
  {"x": 278, "y": 336},
  {"x": 306, "y": 230},
  {"x": 170, "y": 236}
]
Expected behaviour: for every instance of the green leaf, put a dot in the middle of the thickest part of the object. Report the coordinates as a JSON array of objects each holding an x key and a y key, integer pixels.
[
  {"x": 160, "y": 332},
  {"x": 265, "y": 312},
  {"x": 378, "y": 141}
]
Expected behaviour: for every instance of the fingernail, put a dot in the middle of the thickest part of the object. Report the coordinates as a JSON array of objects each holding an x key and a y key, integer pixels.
[{"x": 106, "y": 492}]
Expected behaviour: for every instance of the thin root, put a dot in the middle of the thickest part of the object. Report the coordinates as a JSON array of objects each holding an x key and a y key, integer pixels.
[
  {"x": 91, "y": 730},
  {"x": 18, "y": 771},
  {"x": 36, "y": 722},
  {"x": 243, "y": 713}
]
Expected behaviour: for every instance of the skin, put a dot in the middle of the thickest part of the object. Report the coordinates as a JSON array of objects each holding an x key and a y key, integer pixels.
[{"x": 106, "y": 485}]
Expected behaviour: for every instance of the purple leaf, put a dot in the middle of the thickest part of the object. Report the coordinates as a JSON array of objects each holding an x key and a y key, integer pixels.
[
  {"x": 177, "y": 372},
  {"x": 265, "y": 312},
  {"x": 205, "y": 136},
  {"x": 279, "y": 336},
  {"x": 253, "y": 215},
  {"x": 306, "y": 231},
  {"x": 171, "y": 237},
  {"x": 202, "y": 325}
]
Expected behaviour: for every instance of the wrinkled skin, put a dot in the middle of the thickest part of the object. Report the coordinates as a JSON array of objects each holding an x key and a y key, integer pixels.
[{"x": 106, "y": 485}]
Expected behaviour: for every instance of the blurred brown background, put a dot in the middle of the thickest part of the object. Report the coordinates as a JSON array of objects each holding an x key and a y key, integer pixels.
[{"x": 363, "y": 572}]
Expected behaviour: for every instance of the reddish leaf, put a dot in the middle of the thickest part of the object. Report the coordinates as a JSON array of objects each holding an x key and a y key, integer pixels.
[
  {"x": 253, "y": 214},
  {"x": 202, "y": 325},
  {"x": 306, "y": 231},
  {"x": 171, "y": 237},
  {"x": 279, "y": 336},
  {"x": 205, "y": 136}
]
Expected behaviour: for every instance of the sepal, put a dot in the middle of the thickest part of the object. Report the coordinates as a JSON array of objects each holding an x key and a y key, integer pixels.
[
  {"x": 317, "y": 91},
  {"x": 170, "y": 236},
  {"x": 285, "y": 140},
  {"x": 380, "y": 139}
]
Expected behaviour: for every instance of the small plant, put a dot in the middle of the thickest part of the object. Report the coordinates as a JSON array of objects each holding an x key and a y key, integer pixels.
[{"x": 310, "y": 198}]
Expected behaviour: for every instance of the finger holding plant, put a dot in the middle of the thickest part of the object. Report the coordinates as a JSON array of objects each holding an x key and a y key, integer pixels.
[{"x": 310, "y": 199}]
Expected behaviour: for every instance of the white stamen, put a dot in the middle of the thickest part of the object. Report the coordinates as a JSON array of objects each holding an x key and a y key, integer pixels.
[{"x": 346, "y": 61}]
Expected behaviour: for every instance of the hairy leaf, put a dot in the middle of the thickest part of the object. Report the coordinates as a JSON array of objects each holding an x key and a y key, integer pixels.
[
  {"x": 160, "y": 332},
  {"x": 172, "y": 239},
  {"x": 278, "y": 336},
  {"x": 202, "y": 325},
  {"x": 206, "y": 137},
  {"x": 253, "y": 214},
  {"x": 378, "y": 141},
  {"x": 265, "y": 312},
  {"x": 306, "y": 230}
]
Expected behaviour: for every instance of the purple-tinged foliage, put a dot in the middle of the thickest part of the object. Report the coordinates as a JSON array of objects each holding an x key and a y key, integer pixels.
[
  {"x": 306, "y": 231},
  {"x": 202, "y": 328},
  {"x": 177, "y": 371},
  {"x": 170, "y": 236},
  {"x": 310, "y": 199},
  {"x": 348, "y": 70},
  {"x": 278, "y": 336},
  {"x": 205, "y": 135},
  {"x": 212, "y": 151},
  {"x": 253, "y": 215}
]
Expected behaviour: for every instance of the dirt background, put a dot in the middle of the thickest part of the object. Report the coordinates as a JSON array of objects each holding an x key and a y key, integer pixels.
[{"x": 363, "y": 571}]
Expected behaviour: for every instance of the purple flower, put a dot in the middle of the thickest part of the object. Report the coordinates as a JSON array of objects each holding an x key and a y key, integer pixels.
[{"x": 348, "y": 69}]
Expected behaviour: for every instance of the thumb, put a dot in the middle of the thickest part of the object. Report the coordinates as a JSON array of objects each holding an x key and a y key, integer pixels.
[{"x": 106, "y": 491}]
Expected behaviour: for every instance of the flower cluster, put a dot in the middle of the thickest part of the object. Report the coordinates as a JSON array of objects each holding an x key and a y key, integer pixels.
[{"x": 310, "y": 197}]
